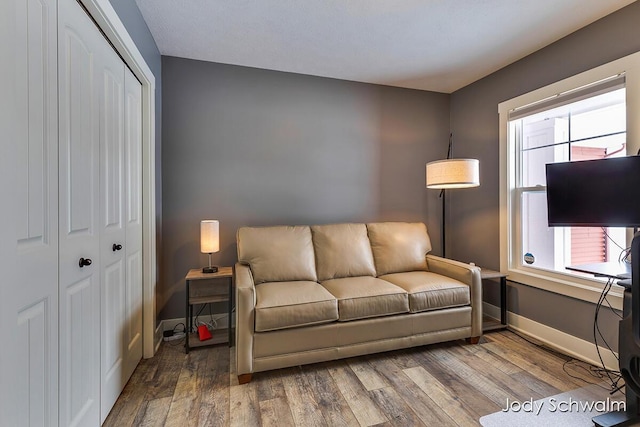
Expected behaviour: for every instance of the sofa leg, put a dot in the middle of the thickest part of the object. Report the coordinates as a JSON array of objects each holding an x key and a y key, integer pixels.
[
  {"x": 244, "y": 378},
  {"x": 473, "y": 340}
]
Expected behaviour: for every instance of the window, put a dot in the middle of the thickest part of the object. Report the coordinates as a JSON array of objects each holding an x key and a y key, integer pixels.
[
  {"x": 580, "y": 118},
  {"x": 588, "y": 129}
]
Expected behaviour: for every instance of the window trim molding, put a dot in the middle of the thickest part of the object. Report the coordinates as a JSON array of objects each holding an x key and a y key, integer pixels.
[{"x": 581, "y": 288}]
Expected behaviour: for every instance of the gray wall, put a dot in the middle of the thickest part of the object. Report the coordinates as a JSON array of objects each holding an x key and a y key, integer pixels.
[
  {"x": 133, "y": 21},
  {"x": 255, "y": 147},
  {"x": 474, "y": 215}
]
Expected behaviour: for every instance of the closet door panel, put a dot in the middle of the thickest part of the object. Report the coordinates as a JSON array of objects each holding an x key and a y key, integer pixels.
[
  {"x": 112, "y": 233},
  {"x": 80, "y": 46},
  {"x": 79, "y": 137},
  {"x": 32, "y": 335},
  {"x": 133, "y": 192},
  {"x": 29, "y": 226}
]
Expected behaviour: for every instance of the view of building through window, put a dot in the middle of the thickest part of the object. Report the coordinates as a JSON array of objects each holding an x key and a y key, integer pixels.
[{"x": 591, "y": 128}]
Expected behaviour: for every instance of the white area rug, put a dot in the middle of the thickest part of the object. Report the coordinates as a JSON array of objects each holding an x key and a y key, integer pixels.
[{"x": 569, "y": 409}]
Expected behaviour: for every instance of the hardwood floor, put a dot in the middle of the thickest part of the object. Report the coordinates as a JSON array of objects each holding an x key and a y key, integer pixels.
[{"x": 451, "y": 384}]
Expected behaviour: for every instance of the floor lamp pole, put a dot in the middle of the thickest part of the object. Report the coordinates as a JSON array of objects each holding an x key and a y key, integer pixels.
[
  {"x": 444, "y": 222},
  {"x": 451, "y": 173}
]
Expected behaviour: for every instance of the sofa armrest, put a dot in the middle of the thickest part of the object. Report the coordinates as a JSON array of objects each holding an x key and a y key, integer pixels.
[
  {"x": 467, "y": 274},
  {"x": 245, "y": 313}
]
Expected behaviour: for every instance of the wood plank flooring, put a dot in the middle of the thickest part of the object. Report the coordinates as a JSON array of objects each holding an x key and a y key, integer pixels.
[{"x": 450, "y": 384}]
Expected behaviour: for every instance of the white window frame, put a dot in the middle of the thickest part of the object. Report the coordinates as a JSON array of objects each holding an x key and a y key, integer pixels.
[{"x": 561, "y": 283}]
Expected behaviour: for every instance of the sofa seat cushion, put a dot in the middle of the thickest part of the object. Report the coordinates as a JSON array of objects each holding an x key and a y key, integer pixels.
[
  {"x": 430, "y": 291},
  {"x": 364, "y": 297},
  {"x": 281, "y": 305}
]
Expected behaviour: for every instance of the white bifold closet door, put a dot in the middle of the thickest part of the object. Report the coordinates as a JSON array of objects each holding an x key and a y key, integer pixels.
[
  {"x": 100, "y": 173},
  {"x": 70, "y": 183},
  {"x": 132, "y": 320},
  {"x": 29, "y": 213},
  {"x": 121, "y": 229}
]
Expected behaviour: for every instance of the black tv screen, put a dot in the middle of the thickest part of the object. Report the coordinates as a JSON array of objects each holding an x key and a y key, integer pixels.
[{"x": 594, "y": 193}]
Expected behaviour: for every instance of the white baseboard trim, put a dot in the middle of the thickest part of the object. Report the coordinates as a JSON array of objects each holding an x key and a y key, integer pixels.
[
  {"x": 157, "y": 339},
  {"x": 556, "y": 339}
]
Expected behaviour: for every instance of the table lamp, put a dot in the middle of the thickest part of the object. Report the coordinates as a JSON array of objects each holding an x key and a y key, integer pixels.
[{"x": 209, "y": 241}]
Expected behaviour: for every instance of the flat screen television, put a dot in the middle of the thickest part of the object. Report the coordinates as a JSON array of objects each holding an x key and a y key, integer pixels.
[
  {"x": 594, "y": 193},
  {"x": 606, "y": 193}
]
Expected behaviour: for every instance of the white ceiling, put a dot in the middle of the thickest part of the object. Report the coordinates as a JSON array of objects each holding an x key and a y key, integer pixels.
[{"x": 437, "y": 45}]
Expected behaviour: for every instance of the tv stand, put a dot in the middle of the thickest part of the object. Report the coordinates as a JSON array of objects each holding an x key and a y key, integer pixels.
[
  {"x": 628, "y": 348},
  {"x": 629, "y": 351}
]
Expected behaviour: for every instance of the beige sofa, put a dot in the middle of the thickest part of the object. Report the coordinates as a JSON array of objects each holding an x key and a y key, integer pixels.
[{"x": 307, "y": 294}]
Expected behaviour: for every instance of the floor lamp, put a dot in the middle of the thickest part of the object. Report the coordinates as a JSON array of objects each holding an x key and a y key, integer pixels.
[{"x": 449, "y": 174}]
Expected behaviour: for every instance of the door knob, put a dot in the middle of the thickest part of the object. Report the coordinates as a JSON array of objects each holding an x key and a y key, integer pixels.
[
  {"x": 116, "y": 247},
  {"x": 84, "y": 261}
]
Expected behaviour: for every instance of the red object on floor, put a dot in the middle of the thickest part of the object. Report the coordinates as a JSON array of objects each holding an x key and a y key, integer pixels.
[{"x": 203, "y": 333}]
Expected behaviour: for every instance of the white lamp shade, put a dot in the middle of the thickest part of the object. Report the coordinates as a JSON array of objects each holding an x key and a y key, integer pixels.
[
  {"x": 453, "y": 173},
  {"x": 209, "y": 236}
]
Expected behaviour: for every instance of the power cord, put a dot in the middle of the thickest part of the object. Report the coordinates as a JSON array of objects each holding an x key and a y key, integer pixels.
[
  {"x": 195, "y": 319},
  {"x": 213, "y": 324},
  {"x": 625, "y": 252},
  {"x": 175, "y": 342},
  {"x": 604, "y": 230},
  {"x": 593, "y": 371},
  {"x": 613, "y": 376},
  {"x": 625, "y": 255}
]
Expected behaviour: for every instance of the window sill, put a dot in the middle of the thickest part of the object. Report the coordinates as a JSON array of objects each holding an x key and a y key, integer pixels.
[{"x": 584, "y": 289}]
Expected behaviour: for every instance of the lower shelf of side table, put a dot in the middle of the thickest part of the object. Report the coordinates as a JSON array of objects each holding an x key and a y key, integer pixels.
[
  {"x": 491, "y": 324},
  {"x": 219, "y": 336}
]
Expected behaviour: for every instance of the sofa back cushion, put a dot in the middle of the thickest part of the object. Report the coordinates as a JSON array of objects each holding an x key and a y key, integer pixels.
[
  {"x": 399, "y": 246},
  {"x": 277, "y": 254},
  {"x": 342, "y": 250}
]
